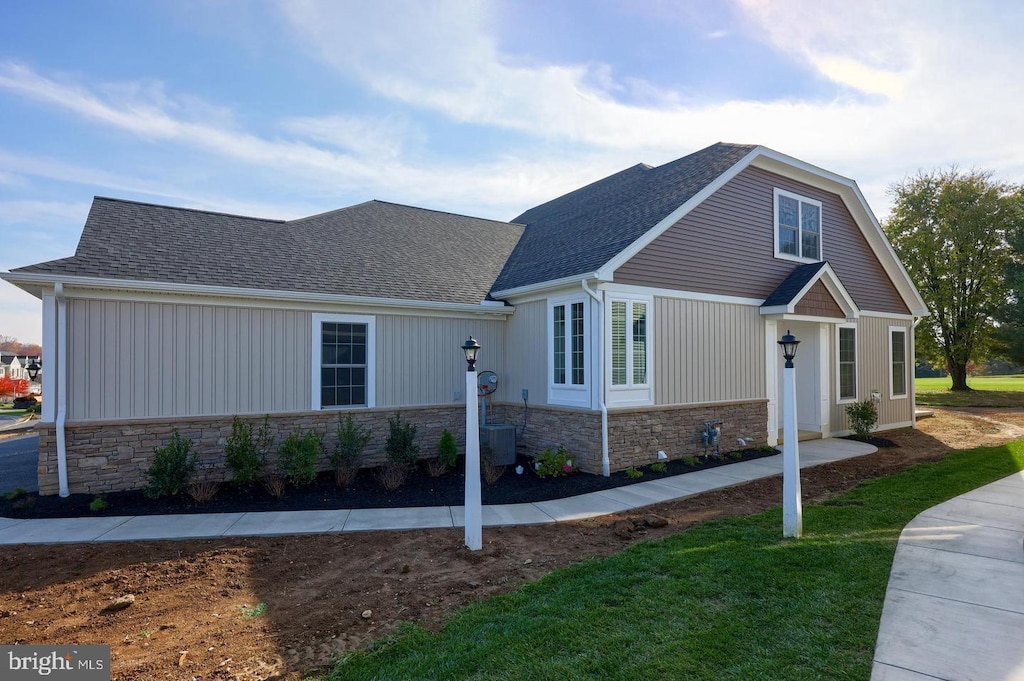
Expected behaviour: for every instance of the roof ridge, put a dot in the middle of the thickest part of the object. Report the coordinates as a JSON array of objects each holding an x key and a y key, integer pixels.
[
  {"x": 189, "y": 210},
  {"x": 442, "y": 212}
]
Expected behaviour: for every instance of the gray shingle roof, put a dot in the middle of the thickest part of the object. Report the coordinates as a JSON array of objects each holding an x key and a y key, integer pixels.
[
  {"x": 581, "y": 231},
  {"x": 373, "y": 249},
  {"x": 793, "y": 284}
]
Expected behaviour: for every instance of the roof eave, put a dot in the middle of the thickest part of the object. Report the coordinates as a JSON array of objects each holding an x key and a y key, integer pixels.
[{"x": 44, "y": 281}]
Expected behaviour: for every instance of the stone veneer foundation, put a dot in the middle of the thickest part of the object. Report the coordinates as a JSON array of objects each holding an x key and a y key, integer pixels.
[
  {"x": 635, "y": 435},
  {"x": 111, "y": 456}
]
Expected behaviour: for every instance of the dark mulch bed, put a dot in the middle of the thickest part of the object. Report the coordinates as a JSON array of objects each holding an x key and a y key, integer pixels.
[
  {"x": 880, "y": 442},
  {"x": 365, "y": 492}
]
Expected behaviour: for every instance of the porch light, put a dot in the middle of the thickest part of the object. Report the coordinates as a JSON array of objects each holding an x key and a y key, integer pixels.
[
  {"x": 471, "y": 347},
  {"x": 33, "y": 370},
  {"x": 789, "y": 343}
]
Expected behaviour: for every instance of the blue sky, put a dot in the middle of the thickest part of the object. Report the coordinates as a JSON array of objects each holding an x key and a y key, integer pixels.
[{"x": 284, "y": 109}]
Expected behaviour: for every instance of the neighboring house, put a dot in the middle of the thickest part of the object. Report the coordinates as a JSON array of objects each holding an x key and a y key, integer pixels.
[
  {"x": 16, "y": 366},
  {"x": 630, "y": 312}
]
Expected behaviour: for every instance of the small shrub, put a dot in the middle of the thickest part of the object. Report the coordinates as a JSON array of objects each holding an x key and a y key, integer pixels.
[
  {"x": 735, "y": 455},
  {"x": 242, "y": 453},
  {"x": 299, "y": 455},
  {"x": 202, "y": 491},
  {"x": 634, "y": 473},
  {"x": 491, "y": 471},
  {"x": 98, "y": 504},
  {"x": 552, "y": 463},
  {"x": 435, "y": 467},
  {"x": 172, "y": 468},
  {"x": 863, "y": 418},
  {"x": 392, "y": 475},
  {"x": 689, "y": 460},
  {"x": 447, "y": 452},
  {"x": 274, "y": 484},
  {"x": 401, "y": 444},
  {"x": 15, "y": 493},
  {"x": 347, "y": 456},
  {"x": 659, "y": 467}
]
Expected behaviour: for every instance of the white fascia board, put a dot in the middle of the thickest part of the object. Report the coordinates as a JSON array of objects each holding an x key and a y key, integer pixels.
[
  {"x": 606, "y": 272},
  {"x": 545, "y": 286},
  {"x": 633, "y": 290},
  {"x": 888, "y": 315},
  {"x": 865, "y": 219},
  {"x": 252, "y": 294}
]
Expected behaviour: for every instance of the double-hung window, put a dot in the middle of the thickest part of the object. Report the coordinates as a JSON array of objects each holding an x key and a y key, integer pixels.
[
  {"x": 846, "y": 360},
  {"x": 797, "y": 227},
  {"x": 630, "y": 350},
  {"x": 898, "y": 361},
  {"x": 343, "y": 361},
  {"x": 568, "y": 326}
]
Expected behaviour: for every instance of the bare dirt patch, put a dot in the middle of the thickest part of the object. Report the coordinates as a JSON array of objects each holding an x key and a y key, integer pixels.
[{"x": 197, "y": 612}]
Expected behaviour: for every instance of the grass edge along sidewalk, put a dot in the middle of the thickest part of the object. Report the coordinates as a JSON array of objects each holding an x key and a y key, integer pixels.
[{"x": 728, "y": 599}]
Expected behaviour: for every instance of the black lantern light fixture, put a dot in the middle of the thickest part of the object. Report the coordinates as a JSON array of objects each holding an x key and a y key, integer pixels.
[
  {"x": 789, "y": 343},
  {"x": 33, "y": 370},
  {"x": 471, "y": 347}
]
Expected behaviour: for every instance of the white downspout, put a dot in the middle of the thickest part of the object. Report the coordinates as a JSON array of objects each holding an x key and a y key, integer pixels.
[
  {"x": 599, "y": 299},
  {"x": 62, "y": 385}
]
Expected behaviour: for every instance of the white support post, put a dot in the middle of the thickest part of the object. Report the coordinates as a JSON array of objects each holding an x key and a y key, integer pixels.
[
  {"x": 792, "y": 511},
  {"x": 473, "y": 518}
]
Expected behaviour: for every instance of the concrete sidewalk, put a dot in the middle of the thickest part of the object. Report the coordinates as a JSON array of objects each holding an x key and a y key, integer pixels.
[
  {"x": 211, "y": 525},
  {"x": 954, "y": 608}
]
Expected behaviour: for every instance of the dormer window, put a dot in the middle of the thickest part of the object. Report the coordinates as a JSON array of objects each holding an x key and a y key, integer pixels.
[{"x": 797, "y": 227}]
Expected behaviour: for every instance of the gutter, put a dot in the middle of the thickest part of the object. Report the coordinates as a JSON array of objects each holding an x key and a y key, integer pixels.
[
  {"x": 62, "y": 385},
  {"x": 913, "y": 369},
  {"x": 599, "y": 299}
]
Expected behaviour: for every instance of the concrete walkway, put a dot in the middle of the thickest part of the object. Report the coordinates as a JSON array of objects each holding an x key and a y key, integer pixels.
[
  {"x": 211, "y": 525},
  {"x": 954, "y": 608}
]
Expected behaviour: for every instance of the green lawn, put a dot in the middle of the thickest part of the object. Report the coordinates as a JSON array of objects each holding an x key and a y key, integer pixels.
[
  {"x": 989, "y": 391},
  {"x": 725, "y": 600}
]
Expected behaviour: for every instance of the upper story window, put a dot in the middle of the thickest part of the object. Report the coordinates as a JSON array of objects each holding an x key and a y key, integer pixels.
[
  {"x": 343, "y": 361},
  {"x": 797, "y": 227}
]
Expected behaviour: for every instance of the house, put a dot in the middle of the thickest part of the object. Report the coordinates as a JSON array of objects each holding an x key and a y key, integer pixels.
[
  {"x": 619, "y": 318},
  {"x": 16, "y": 366}
]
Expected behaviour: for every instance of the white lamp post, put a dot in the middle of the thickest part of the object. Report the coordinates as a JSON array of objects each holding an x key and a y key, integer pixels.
[
  {"x": 473, "y": 518},
  {"x": 792, "y": 511}
]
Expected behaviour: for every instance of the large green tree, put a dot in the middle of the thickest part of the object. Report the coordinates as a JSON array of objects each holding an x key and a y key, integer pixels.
[
  {"x": 950, "y": 229},
  {"x": 1010, "y": 334}
]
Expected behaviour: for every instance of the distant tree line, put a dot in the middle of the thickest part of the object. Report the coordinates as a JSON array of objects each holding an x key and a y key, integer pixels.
[{"x": 9, "y": 345}]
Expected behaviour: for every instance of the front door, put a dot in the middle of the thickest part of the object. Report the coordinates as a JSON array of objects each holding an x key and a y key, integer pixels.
[{"x": 809, "y": 395}]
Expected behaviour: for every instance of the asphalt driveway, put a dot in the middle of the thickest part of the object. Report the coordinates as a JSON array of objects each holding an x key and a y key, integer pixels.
[{"x": 19, "y": 458}]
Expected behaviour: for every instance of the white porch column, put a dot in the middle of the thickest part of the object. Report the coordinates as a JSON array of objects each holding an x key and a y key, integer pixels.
[
  {"x": 792, "y": 511},
  {"x": 474, "y": 513}
]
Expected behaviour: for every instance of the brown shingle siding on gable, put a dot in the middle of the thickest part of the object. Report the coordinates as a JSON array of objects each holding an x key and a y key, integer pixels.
[
  {"x": 818, "y": 302},
  {"x": 726, "y": 246}
]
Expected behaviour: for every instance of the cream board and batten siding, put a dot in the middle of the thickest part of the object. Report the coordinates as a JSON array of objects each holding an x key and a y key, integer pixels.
[
  {"x": 726, "y": 246},
  {"x": 526, "y": 350},
  {"x": 873, "y": 370},
  {"x": 707, "y": 351},
  {"x": 133, "y": 359},
  {"x": 147, "y": 359},
  {"x": 420, "y": 361}
]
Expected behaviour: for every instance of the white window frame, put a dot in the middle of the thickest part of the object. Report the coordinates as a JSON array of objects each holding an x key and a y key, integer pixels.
[
  {"x": 317, "y": 358},
  {"x": 906, "y": 353},
  {"x": 799, "y": 234},
  {"x": 568, "y": 393},
  {"x": 856, "y": 366},
  {"x": 630, "y": 393}
]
